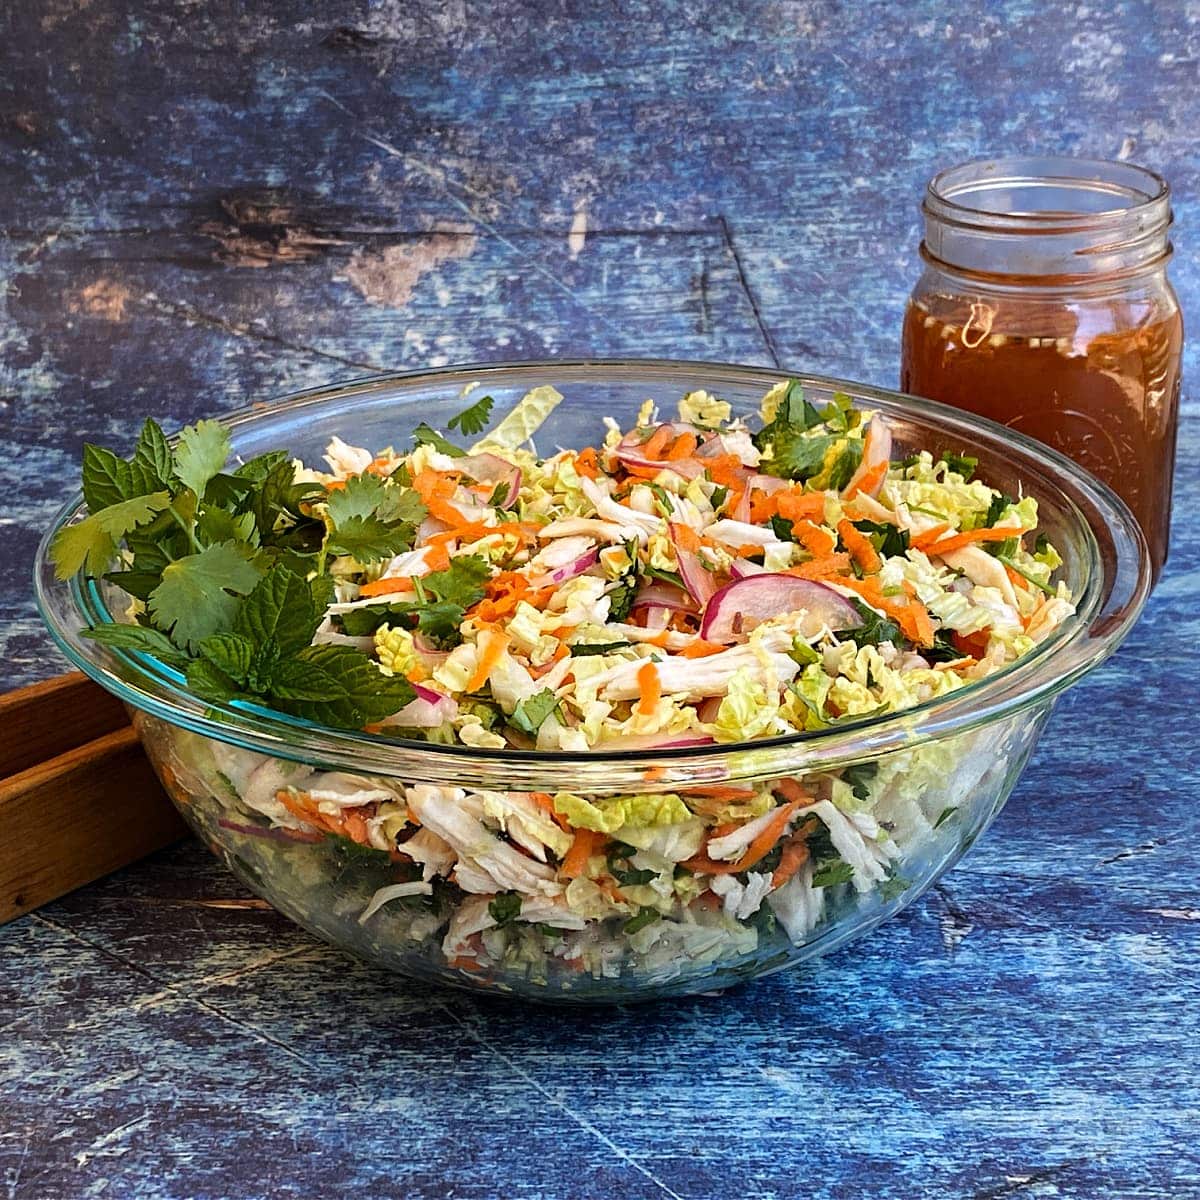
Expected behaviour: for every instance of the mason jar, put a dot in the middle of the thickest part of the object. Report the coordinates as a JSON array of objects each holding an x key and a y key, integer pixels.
[{"x": 1045, "y": 305}]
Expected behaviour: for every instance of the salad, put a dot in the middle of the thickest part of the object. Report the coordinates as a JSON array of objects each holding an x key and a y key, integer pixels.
[{"x": 698, "y": 579}]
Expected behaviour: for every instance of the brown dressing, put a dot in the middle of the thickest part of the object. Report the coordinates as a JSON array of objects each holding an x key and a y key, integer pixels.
[{"x": 1098, "y": 381}]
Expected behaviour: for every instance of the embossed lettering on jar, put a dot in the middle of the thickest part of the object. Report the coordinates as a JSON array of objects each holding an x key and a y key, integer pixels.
[{"x": 1045, "y": 305}]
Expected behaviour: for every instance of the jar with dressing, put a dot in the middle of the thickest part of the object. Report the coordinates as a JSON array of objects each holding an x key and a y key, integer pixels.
[{"x": 1045, "y": 305}]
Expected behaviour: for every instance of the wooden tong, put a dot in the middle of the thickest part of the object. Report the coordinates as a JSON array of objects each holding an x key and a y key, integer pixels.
[{"x": 78, "y": 798}]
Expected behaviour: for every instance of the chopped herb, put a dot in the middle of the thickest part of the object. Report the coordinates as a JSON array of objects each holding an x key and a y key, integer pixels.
[
  {"x": 473, "y": 420},
  {"x": 425, "y": 435},
  {"x": 640, "y": 919},
  {"x": 671, "y": 577},
  {"x": 634, "y": 878},
  {"x": 532, "y": 712},
  {"x": 874, "y": 630},
  {"x": 960, "y": 464},
  {"x": 888, "y": 539},
  {"x": 830, "y": 874},
  {"x": 505, "y": 908},
  {"x": 585, "y": 649},
  {"x": 859, "y": 777},
  {"x": 944, "y": 816},
  {"x": 719, "y": 495}
]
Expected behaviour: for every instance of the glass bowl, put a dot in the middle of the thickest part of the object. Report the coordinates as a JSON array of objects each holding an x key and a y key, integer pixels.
[{"x": 940, "y": 772}]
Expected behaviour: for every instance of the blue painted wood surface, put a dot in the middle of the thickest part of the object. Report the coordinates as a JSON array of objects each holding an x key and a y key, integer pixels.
[{"x": 204, "y": 205}]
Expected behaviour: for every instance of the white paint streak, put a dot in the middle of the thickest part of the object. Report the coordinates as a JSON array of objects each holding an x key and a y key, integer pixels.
[
  {"x": 112, "y": 1143},
  {"x": 1177, "y": 914},
  {"x": 579, "y": 226}
]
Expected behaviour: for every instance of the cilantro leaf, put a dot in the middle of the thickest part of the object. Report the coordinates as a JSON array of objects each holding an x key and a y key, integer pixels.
[
  {"x": 140, "y": 638},
  {"x": 425, "y": 435},
  {"x": 874, "y": 630},
  {"x": 830, "y": 874},
  {"x": 505, "y": 908},
  {"x": 1000, "y": 501},
  {"x": 360, "y": 497},
  {"x": 889, "y": 539},
  {"x": 368, "y": 539},
  {"x": 473, "y": 420},
  {"x": 461, "y": 583},
  {"x": 194, "y": 598},
  {"x": 531, "y": 712},
  {"x": 859, "y": 776},
  {"x": 961, "y": 464},
  {"x": 201, "y": 453},
  {"x": 92, "y": 542},
  {"x": 338, "y": 685}
]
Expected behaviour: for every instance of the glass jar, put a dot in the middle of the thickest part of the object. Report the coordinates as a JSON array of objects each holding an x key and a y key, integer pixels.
[{"x": 1045, "y": 305}]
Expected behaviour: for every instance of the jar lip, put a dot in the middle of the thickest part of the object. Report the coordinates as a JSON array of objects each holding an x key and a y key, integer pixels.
[{"x": 1145, "y": 193}]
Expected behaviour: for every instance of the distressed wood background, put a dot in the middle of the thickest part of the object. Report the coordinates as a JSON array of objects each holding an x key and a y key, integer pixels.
[{"x": 208, "y": 203}]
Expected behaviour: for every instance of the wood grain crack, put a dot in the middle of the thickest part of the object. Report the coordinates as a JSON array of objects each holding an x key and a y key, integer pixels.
[{"x": 765, "y": 333}]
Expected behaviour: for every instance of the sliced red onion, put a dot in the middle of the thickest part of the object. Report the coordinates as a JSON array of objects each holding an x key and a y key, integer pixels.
[
  {"x": 491, "y": 468},
  {"x": 656, "y": 617},
  {"x": 431, "y": 656},
  {"x": 428, "y": 528},
  {"x": 877, "y": 448},
  {"x": 696, "y": 578},
  {"x": 429, "y": 710},
  {"x": 767, "y": 484},
  {"x": 741, "y": 605},
  {"x": 664, "y": 595},
  {"x": 270, "y": 835},
  {"x": 740, "y": 568},
  {"x": 741, "y": 510},
  {"x": 571, "y": 570}
]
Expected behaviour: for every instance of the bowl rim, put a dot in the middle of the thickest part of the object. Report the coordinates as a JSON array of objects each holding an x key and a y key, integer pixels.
[{"x": 1116, "y": 588}]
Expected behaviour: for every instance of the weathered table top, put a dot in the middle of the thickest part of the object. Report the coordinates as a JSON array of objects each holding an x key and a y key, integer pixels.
[{"x": 205, "y": 205}]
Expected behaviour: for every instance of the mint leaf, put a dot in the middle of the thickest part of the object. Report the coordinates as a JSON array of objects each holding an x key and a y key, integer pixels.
[
  {"x": 201, "y": 453},
  {"x": 106, "y": 478},
  {"x": 531, "y": 712},
  {"x": 209, "y": 682},
  {"x": 153, "y": 454},
  {"x": 424, "y": 435},
  {"x": 473, "y": 420},
  {"x": 230, "y": 653},
  {"x": 338, "y": 685},
  {"x": 139, "y": 638},
  {"x": 193, "y": 600},
  {"x": 92, "y": 542},
  {"x": 281, "y": 608}
]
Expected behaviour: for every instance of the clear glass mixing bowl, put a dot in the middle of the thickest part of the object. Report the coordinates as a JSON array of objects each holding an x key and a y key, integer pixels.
[{"x": 944, "y": 768}]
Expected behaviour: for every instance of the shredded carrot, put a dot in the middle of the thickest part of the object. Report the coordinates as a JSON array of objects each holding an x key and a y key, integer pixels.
[
  {"x": 860, "y": 547},
  {"x": 464, "y": 963},
  {"x": 1015, "y": 577},
  {"x": 657, "y": 443},
  {"x": 684, "y": 447},
  {"x": 958, "y": 664},
  {"x": 794, "y": 856},
  {"x": 959, "y": 540},
  {"x": 545, "y": 802},
  {"x": 790, "y": 789},
  {"x": 909, "y": 613},
  {"x": 492, "y": 645},
  {"x": 919, "y": 541},
  {"x": 385, "y": 587},
  {"x": 817, "y": 541},
  {"x": 869, "y": 481},
  {"x": 586, "y": 464},
  {"x": 574, "y": 865},
  {"x": 416, "y": 673},
  {"x": 650, "y": 686},
  {"x": 437, "y": 558},
  {"x": 974, "y": 644},
  {"x": 335, "y": 485},
  {"x": 758, "y": 849},
  {"x": 721, "y": 791},
  {"x": 685, "y": 537},
  {"x": 700, "y": 649},
  {"x": 800, "y": 506},
  {"x": 832, "y": 565},
  {"x": 726, "y": 469}
]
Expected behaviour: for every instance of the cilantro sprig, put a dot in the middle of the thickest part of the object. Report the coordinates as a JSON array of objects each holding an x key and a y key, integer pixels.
[
  {"x": 229, "y": 568},
  {"x": 803, "y": 442}
]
